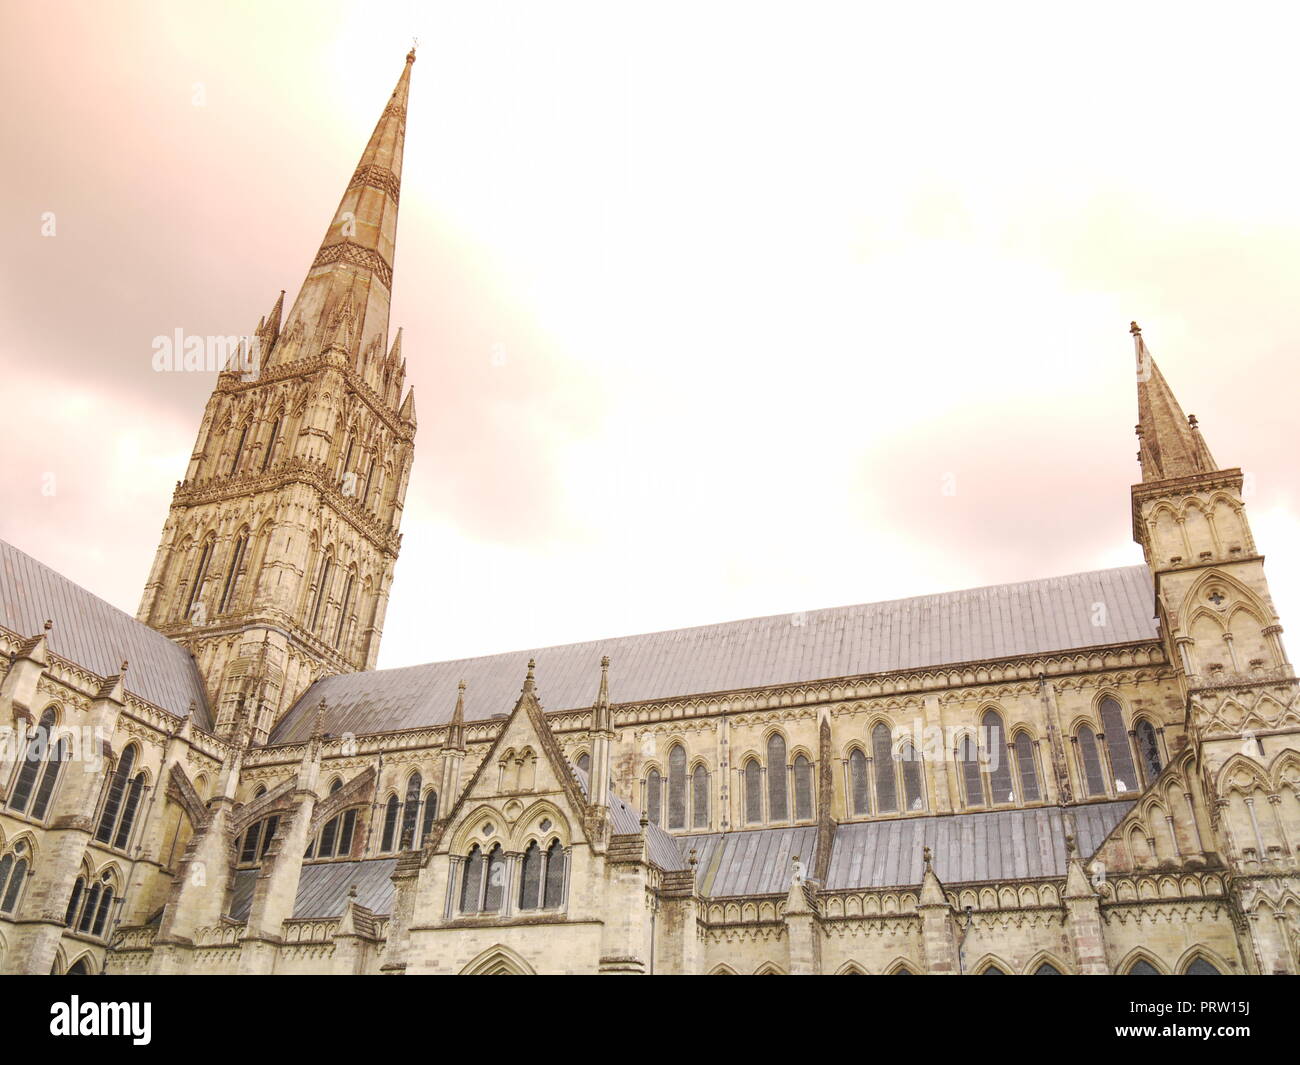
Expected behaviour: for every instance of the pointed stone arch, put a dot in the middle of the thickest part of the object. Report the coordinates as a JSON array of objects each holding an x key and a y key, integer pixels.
[
  {"x": 1211, "y": 957},
  {"x": 1140, "y": 954},
  {"x": 498, "y": 960}
]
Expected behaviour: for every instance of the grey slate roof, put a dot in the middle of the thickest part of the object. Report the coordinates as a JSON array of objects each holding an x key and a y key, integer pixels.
[
  {"x": 624, "y": 821},
  {"x": 323, "y": 888},
  {"x": 1055, "y": 614},
  {"x": 96, "y": 635},
  {"x": 971, "y": 847},
  {"x": 967, "y": 848}
]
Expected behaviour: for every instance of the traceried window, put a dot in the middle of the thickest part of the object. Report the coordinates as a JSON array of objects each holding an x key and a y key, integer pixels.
[
  {"x": 998, "y": 758},
  {"x": 14, "y": 868},
  {"x": 882, "y": 760},
  {"x": 1028, "y": 770},
  {"x": 677, "y": 787},
  {"x": 1117, "y": 746},
  {"x": 859, "y": 783},
  {"x": 1090, "y": 761},
  {"x": 700, "y": 797},
  {"x": 778, "y": 808},
  {"x": 335, "y": 839},
  {"x": 803, "y": 788},
  {"x": 1148, "y": 749},
  {"x": 88, "y": 911},
  {"x": 39, "y": 773},
  {"x": 753, "y": 774},
  {"x": 542, "y": 877},
  {"x": 121, "y": 803},
  {"x": 913, "y": 779},
  {"x": 654, "y": 787},
  {"x": 1201, "y": 967},
  {"x": 257, "y": 839}
]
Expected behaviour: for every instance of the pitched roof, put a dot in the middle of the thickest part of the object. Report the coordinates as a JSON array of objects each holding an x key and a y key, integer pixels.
[
  {"x": 323, "y": 888},
  {"x": 1055, "y": 614},
  {"x": 96, "y": 635},
  {"x": 967, "y": 848}
]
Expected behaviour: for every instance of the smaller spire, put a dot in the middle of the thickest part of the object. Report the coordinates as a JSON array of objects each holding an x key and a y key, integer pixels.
[
  {"x": 1169, "y": 443},
  {"x": 530, "y": 682},
  {"x": 456, "y": 733},
  {"x": 318, "y": 723},
  {"x": 407, "y": 413}
]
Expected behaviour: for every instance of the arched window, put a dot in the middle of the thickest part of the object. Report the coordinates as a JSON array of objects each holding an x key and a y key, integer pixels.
[
  {"x": 1142, "y": 968},
  {"x": 117, "y": 817},
  {"x": 239, "y": 449},
  {"x": 392, "y": 810},
  {"x": 1117, "y": 746},
  {"x": 1148, "y": 749},
  {"x": 753, "y": 792},
  {"x": 95, "y": 905},
  {"x": 41, "y": 765},
  {"x": 778, "y": 808},
  {"x": 430, "y": 813},
  {"x": 13, "y": 874},
  {"x": 992, "y": 970},
  {"x": 1201, "y": 967},
  {"x": 494, "y": 889},
  {"x": 364, "y": 495},
  {"x": 322, "y": 591},
  {"x": 411, "y": 811},
  {"x": 345, "y": 609},
  {"x": 1024, "y": 748},
  {"x": 677, "y": 786},
  {"x": 971, "y": 777},
  {"x": 584, "y": 763},
  {"x": 231, "y": 586},
  {"x": 336, "y": 837},
  {"x": 530, "y": 880},
  {"x": 194, "y": 598},
  {"x": 654, "y": 786},
  {"x": 1090, "y": 759},
  {"x": 74, "y": 901},
  {"x": 269, "y": 454},
  {"x": 803, "y": 788},
  {"x": 997, "y": 757},
  {"x": 471, "y": 883},
  {"x": 554, "y": 880},
  {"x": 859, "y": 784},
  {"x": 1047, "y": 969},
  {"x": 257, "y": 839},
  {"x": 913, "y": 779},
  {"x": 700, "y": 797},
  {"x": 882, "y": 758}
]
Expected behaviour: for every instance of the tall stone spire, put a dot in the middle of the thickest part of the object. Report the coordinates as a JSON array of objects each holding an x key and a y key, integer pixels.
[
  {"x": 1170, "y": 445},
  {"x": 352, "y": 273}
]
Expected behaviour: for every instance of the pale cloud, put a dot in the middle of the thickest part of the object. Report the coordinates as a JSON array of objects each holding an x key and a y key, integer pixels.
[{"x": 705, "y": 305}]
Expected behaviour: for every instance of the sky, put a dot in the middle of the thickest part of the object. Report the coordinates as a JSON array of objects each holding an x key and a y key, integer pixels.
[{"x": 712, "y": 310}]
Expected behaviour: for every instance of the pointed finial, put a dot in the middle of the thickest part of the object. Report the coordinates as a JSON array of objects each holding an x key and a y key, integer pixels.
[
  {"x": 693, "y": 858},
  {"x": 318, "y": 726},
  {"x": 49, "y": 624},
  {"x": 928, "y": 856},
  {"x": 125, "y": 666},
  {"x": 645, "y": 820},
  {"x": 1191, "y": 421},
  {"x": 529, "y": 679},
  {"x": 461, "y": 687},
  {"x": 1135, "y": 329},
  {"x": 1070, "y": 846},
  {"x": 352, "y": 891},
  {"x": 410, "y": 56}
]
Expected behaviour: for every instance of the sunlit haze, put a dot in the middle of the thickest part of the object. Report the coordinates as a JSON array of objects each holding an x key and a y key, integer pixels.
[{"x": 705, "y": 305}]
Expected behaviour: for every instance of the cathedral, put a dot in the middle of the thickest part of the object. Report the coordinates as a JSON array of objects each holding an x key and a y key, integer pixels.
[{"x": 1085, "y": 774}]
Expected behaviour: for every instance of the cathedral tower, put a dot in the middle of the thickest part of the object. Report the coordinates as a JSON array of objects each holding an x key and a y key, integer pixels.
[
  {"x": 1225, "y": 639},
  {"x": 278, "y": 551}
]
